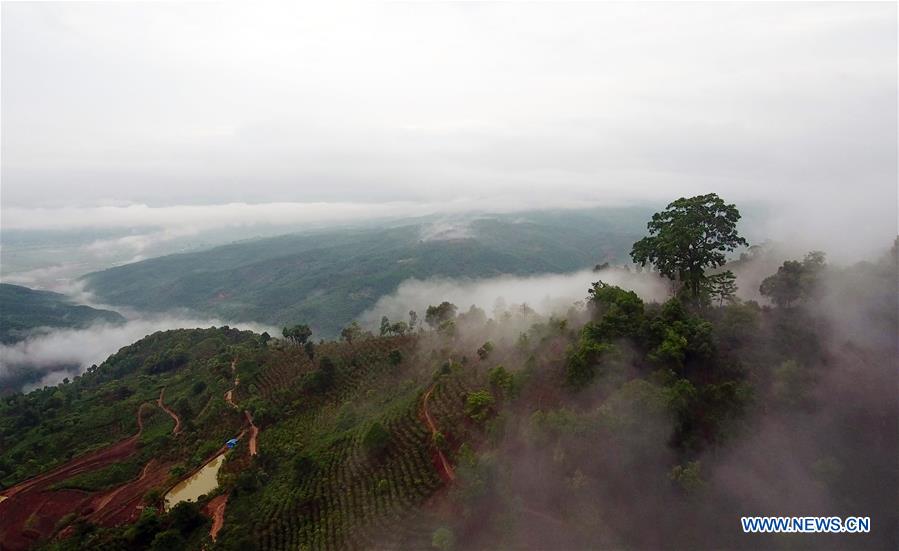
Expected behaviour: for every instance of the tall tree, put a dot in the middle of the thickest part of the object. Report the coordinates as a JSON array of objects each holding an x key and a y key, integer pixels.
[
  {"x": 722, "y": 287},
  {"x": 689, "y": 236},
  {"x": 298, "y": 334}
]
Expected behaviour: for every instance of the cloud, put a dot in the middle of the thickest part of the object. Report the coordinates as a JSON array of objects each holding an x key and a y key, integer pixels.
[
  {"x": 220, "y": 114},
  {"x": 546, "y": 294}
]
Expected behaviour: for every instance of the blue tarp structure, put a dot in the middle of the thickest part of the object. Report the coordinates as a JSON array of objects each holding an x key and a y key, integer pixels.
[{"x": 231, "y": 443}]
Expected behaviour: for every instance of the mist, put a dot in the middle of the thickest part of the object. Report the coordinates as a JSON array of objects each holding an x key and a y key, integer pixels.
[
  {"x": 188, "y": 117},
  {"x": 596, "y": 469},
  {"x": 546, "y": 294}
]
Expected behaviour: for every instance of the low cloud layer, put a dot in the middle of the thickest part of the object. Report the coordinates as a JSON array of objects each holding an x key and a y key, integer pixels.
[
  {"x": 546, "y": 294},
  {"x": 60, "y": 353},
  {"x": 212, "y": 115}
]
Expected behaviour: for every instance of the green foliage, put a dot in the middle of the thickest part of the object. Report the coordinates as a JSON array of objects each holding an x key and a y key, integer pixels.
[
  {"x": 501, "y": 379},
  {"x": 443, "y": 539},
  {"x": 687, "y": 477},
  {"x": 352, "y": 332},
  {"x": 322, "y": 379},
  {"x": 794, "y": 280},
  {"x": 582, "y": 360},
  {"x": 185, "y": 517},
  {"x": 297, "y": 334},
  {"x": 616, "y": 312},
  {"x": 679, "y": 336},
  {"x": 437, "y": 316},
  {"x": 479, "y": 405},
  {"x": 395, "y": 357},
  {"x": 689, "y": 236},
  {"x": 376, "y": 439},
  {"x": 24, "y": 310},
  {"x": 485, "y": 350},
  {"x": 167, "y": 540},
  {"x": 721, "y": 288}
]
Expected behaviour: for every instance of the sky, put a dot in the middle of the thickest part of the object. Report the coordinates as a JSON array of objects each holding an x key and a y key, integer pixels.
[{"x": 210, "y": 114}]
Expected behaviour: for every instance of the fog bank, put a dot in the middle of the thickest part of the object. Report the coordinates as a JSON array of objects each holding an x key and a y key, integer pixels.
[{"x": 546, "y": 293}]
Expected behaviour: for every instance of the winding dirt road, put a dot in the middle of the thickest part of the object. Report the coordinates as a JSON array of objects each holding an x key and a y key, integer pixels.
[
  {"x": 172, "y": 414},
  {"x": 32, "y": 508},
  {"x": 448, "y": 472}
]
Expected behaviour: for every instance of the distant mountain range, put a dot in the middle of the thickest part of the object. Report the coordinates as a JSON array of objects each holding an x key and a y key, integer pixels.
[
  {"x": 24, "y": 310},
  {"x": 327, "y": 278}
]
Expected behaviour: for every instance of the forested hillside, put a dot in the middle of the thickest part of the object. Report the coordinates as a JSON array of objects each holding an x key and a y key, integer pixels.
[
  {"x": 22, "y": 310},
  {"x": 619, "y": 424},
  {"x": 328, "y": 278}
]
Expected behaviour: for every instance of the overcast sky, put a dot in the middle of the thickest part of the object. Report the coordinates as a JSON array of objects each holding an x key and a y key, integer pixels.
[{"x": 466, "y": 105}]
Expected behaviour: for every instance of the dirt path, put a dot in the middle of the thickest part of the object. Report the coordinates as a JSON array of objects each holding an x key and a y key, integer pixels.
[
  {"x": 229, "y": 398},
  {"x": 160, "y": 403},
  {"x": 33, "y": 508},
  {"x": 216, "y": 509},
  {"x": 447, "y": 468},
  {"x": 254, "y": 432},
  {"x": 89, "y": 461}
]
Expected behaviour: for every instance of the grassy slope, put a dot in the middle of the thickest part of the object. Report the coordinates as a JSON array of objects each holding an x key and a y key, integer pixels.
[
  {"x": 23, "y": 309},
  {"x": 328, "y": 278}
]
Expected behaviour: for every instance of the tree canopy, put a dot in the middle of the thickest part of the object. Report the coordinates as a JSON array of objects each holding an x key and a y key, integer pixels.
[
  {"x": 794, "y": 280},
  {"x": 690, "y": 235},
  {"x": 298, "y": 334}
]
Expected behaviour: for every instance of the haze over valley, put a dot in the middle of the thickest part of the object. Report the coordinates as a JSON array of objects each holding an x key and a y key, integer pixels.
[{"x": 449, "y": 276}]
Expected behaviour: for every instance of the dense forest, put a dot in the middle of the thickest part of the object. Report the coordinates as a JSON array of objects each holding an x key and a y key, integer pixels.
[{"x": 621, "y": 423}]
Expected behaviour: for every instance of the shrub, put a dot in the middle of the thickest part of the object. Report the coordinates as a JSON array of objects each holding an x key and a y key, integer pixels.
[{"x": 479, "y": 404}]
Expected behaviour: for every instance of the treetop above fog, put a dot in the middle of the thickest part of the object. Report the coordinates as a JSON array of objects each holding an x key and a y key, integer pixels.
[{"x": 690, "y": 235}]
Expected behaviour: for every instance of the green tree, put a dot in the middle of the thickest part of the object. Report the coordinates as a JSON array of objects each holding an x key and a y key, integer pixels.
[
  {"x": 501, "y": 379},
  {"x": 185, "y": 517},
  {"x": 485, "y": 350},
  {"x": 352, "y": 332},
  {"x": 435, "y": 316},
  {"x": 794, "y": 280},
  {"x": 689, "y": 236},
  {"x": 722, "y": 287},
  {"x": 399, "y": 328},
  {"x": 298, "y": 334},
  {"x": 479, "y": 404},
  {"x": 385, "y": 326}
]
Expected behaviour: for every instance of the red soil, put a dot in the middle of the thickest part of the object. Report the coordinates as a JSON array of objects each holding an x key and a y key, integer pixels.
[
  {"x": 446, "y": 470},
  {"x": 171, "y": 413},
  {"x": 215, "y": 509},
  {"x": 254, "y": 432},
  {"x": 32, "y": 509}
]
